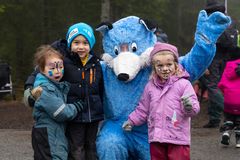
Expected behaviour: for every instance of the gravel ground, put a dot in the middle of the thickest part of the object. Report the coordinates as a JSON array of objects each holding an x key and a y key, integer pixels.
[
  {"x": 15, "y": 145},
  {"x": 15, "y": 136}
]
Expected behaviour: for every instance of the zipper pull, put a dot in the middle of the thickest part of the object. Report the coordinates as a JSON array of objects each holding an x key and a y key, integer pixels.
[
  {"x": 94, "y": 75},
  {"x": 91, "y": 76},
  {"x": 83, "y": 75}
]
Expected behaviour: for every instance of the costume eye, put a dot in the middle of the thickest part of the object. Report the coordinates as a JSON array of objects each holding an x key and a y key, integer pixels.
[
  {"x": 116, "y": 50},
  {"x": 134, "y": 47}
]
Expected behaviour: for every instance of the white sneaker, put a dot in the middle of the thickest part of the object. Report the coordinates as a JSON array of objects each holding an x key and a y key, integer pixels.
[{"x": 237, "y": 145}]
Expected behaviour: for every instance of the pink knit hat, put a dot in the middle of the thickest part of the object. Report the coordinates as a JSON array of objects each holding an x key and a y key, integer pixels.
[{"x": 164, "y": 47}]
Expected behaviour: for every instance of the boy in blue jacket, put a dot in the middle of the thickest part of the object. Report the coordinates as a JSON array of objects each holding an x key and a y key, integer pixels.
[{"x": 50, "y": 110}]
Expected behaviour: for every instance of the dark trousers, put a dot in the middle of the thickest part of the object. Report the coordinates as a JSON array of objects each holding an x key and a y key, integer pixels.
[
  {"x": 81, "y": 139},
  {"x": 231, "y": 122},
  {"x": 40, "y": 144},
  {"x": 215, "y": 105},
  {"x": 167, "y": 151}
]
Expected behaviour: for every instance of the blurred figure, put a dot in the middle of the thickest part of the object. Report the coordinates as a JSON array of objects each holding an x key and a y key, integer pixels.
[
  {"x": 230, "y": 86},
  {"x": 161, "y": 36},
  {"x": 225, "y": 45}
]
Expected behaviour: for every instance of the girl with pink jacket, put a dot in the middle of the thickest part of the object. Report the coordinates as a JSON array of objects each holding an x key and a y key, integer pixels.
[
  {"x": 230, "y": 87},
  {"x": 167, "y": 105}
]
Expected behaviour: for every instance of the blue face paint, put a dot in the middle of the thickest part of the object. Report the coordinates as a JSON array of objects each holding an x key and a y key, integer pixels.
[{"x": 50, "y": 73}]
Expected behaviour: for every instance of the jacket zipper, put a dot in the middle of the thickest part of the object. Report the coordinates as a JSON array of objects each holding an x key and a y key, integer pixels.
[{"x": 87, "y": 91}]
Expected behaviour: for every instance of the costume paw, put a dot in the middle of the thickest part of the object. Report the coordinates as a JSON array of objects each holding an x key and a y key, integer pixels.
[{"x": 209, "y": 28}]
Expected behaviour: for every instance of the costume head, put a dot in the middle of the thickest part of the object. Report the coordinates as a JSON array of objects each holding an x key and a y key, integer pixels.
[
  {"x": 126, "y": 43},
  {"x": 80, "y": 29}
]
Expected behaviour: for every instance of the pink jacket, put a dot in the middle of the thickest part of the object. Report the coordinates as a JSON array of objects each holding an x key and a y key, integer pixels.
[
  {"x": 161, "y": 107},
  {"x": 230, "y": 86}
]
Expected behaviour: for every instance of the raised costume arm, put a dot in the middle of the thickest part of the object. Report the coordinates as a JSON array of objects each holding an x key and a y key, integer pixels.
[{"x": 209, "y": 28}]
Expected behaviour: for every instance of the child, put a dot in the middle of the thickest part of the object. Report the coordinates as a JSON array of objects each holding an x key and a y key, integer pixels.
[
  {"x": 230, "y": 87},
  {"x": 83, "y": 71},
  {"x": 166, "y": 105},
  {"x": 50, "y": 109}
]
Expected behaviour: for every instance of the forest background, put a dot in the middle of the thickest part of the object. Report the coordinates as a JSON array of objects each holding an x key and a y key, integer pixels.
[{"x": 26, "y": 24}]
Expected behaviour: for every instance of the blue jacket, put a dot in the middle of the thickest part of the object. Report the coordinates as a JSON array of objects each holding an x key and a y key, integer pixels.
[{"x": 50, "y": 113}]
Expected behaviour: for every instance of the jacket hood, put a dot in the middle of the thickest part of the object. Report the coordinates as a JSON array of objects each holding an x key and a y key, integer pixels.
[{"x": 42, "y": 79}]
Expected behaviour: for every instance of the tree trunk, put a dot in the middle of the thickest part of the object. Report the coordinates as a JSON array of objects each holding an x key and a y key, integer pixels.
[
  {"x": 105, "y": 13},
  {"x": 45, "y": 22}
]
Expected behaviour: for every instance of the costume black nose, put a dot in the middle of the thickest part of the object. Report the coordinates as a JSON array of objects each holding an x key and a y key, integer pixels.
[{"x": 123, "y": 77}]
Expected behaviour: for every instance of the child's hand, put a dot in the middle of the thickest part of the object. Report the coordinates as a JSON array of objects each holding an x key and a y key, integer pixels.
[
  {"x": 207, "y": 72},
  {"x": 187, "y": 102},
  {"x": 36, "y": 92},
  {"x": 127, "y": 126}
]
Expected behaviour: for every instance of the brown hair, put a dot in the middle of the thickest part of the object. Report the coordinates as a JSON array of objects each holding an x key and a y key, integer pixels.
[{"x": 43, "y": 52}]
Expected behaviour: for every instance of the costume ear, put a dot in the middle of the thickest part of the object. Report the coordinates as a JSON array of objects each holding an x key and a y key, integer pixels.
[
  {"x": 104, "y": 26},
  {"x": 149, "y": 25}
]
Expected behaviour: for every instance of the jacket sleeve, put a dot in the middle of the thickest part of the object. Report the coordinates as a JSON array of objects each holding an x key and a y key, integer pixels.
[
  {"x": 55, "y": 106},
  {"x": 139, "y": 115},
  {"x": 31, "y": 78},
  {"x": 27, "y": 98},
  {"x": 189, "y": 91}
]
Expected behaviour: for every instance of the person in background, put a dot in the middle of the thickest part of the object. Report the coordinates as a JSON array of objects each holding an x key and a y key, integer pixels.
[
  {"x": 50, "y": 110},
  {"x": 210, "y": 79},
  {"x": 161, "y": 36},
  {"x": 84, "y": 73},
  {"x": 167, "y": 105},
  {"x": 230, "y": 87}
]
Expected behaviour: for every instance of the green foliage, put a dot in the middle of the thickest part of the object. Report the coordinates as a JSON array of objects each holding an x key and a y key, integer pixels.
[
  {"x": 27, "y": 24},
  {"x": 2, "y": 8}
]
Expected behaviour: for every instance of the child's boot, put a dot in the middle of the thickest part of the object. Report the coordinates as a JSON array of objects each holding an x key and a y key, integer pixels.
[{"x": 225, "y": 138}]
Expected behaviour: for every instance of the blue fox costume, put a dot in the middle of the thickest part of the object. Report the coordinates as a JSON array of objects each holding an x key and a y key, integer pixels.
[{"x": 127, "y": 44}]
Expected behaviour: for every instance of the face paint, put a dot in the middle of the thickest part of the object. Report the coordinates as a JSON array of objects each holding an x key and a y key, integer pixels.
[
  {"x": 164, "y": 66},
  {"x": 54, "y": 69},
  {"x": 50, "y": 73}
]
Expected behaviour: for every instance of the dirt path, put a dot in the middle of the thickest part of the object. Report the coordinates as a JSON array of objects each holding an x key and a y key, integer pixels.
[{"x": 15, "y": 136}]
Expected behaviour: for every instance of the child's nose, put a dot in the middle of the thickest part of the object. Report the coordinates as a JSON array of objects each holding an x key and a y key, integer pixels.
[{"x": 165, "y": 68}]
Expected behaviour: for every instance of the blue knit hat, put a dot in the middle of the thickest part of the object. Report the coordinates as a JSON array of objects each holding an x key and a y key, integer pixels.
[{"x": 80, "y": 29}]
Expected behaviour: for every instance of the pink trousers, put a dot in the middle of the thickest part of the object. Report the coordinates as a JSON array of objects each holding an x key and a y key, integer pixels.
[{"x": 167, "y": 151}]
